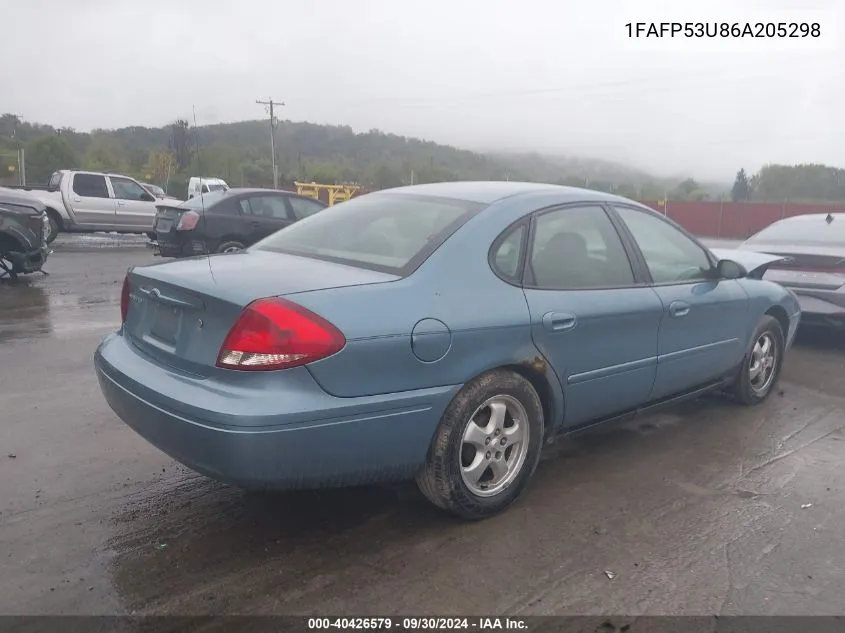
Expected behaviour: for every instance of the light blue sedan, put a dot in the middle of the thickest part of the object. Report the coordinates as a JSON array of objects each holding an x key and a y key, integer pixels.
[{"x": 442, "y": 332}]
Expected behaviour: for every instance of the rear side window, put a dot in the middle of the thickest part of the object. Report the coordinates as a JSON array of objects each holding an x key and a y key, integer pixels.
[
  {"x": 390, "y": 232},
  {"x": 55, "y": 180},
  {"x": 578, "y": 248},
  {"x": 90, "y": 186}
]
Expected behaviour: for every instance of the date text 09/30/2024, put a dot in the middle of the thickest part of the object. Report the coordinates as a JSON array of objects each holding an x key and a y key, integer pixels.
[
  {"x": 417, "y": 624},
  {"x": 724, "y": 29}
]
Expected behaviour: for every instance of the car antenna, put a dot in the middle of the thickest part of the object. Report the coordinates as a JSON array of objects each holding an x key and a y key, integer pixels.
[
  {"x": 829, "y": 218},
  {"x": 202, "y": 199}
]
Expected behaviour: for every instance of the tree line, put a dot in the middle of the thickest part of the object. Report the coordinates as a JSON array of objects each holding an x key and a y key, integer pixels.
[{"x": 240, "y": 154}]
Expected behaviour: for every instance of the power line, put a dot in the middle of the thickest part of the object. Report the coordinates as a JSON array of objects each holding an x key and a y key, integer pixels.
[
  {"x": 273, "y": 124},
  {"x": 574, "y": 88}
]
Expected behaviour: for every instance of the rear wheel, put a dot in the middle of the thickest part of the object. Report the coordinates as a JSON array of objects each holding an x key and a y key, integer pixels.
[
  {"x": 486, "y": 447},
  {"x": 762, "y": 363},
  {"x": 230, "y": 247}
]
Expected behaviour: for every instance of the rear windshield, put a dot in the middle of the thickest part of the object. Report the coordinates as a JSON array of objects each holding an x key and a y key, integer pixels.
[
  {"x": 204, "y": 201},
  {"x": 802, "y": 231},
  {"x": 389, "y": 232}
]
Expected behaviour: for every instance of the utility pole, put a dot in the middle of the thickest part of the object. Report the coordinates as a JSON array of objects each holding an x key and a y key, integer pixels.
[{"x": 273, "y": 124}]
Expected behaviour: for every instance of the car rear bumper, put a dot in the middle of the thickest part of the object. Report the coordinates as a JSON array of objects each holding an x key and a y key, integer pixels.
[
  {"x": 821, "y": 308},
  {"x": 310, "y": 440},
  {"x": 163, "y": 247}
]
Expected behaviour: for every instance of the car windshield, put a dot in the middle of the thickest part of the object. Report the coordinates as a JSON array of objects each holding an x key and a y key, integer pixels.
[
  {"x": 389, "y": 232},
  {"x": 203, "y": 201},
  {"x": 802, "y": 230}
]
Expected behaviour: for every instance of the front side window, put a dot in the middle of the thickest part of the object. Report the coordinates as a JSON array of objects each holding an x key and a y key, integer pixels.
[
  {"x": 90, "y": 186},
  {"x": 125, "y": 189},
  {"x": 302, "y": 208},
  {"x": 273, "y": 207},
  {"x": 382, "y": 231},
  {"x": 671, "y": 256},
  {"x": 578, "y": 248}
]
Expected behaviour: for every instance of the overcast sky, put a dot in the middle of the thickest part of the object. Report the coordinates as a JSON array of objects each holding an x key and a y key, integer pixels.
[{"x": 548, "y": 75}]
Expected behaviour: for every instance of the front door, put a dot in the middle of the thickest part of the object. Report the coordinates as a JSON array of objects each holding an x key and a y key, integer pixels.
[
  {"x": 592, "y": 318},
  {"x": 267, "y": 213},
  {"x": 134, "y": 209},
  {"x": 702, "y": 332},
  {"x": 90, "y": 201}
]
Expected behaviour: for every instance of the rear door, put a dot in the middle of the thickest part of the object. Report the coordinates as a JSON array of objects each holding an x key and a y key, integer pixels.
[
  {"x": 265, "y": 213},
  {"x": 704, "y": 326},
  {"x": 592, "y": 316},
  {"x": 91, "y": 202},
  {"x": 134, "y": 210}
]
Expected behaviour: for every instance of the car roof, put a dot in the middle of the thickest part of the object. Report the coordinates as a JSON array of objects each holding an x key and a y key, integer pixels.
[
  {"x": 244, "y": 190},
  {"x": 814, "y": 217},
  {"x": 488, "y": 192}
]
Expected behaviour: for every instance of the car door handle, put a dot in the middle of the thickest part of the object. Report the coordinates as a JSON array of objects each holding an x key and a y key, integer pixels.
[
  {"x": 678, "y": 308},
  {"x": 559, "y": 321},
  {"x": 120, "y": 203}
]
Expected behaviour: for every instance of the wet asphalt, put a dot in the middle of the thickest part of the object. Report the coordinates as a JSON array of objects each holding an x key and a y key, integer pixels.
[{"x": 705, "y": 509}]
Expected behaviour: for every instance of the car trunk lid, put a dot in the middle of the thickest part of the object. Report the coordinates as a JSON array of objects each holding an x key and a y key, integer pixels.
[
  {"x": 817, "y": 267},
  {"x": 180, "y": 312},
  {"x": 167, "y": 217}
]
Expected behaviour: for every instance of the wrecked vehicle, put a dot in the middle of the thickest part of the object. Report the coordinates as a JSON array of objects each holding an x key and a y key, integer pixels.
[{"x": 24, "y": 227}]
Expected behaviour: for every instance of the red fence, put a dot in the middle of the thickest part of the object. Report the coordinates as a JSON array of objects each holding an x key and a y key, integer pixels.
[{"x": 735, "y": 220}]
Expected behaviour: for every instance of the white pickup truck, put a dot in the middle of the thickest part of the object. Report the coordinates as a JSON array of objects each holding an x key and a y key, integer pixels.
[{"x": 86, "y": 201}]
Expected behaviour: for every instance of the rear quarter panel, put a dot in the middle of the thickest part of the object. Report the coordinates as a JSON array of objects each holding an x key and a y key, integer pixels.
[{"x": 487, "y": 319}]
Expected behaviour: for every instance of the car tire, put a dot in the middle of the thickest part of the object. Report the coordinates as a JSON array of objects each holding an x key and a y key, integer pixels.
[
  {"x": 474, "y": 432},
  {"x": 229, "y": 247},
  {"x": 55, "y": 225},
  {"x": 761, "y": 365}
]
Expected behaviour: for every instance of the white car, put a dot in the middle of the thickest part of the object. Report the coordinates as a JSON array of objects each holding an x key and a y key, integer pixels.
[{"x": 198, "y": 186}]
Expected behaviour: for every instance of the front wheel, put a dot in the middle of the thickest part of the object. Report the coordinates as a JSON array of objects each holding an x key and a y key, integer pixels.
[
  {"x": 486, "y": 447},
  {"x": 55, "y": 225},
  {"x": 761, "y": 366}
]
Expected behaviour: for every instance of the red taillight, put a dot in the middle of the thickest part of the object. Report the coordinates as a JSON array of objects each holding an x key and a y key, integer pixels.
[
  {"x": 124, "y": 299},
  {"x": 188, "y": 221},
  {"x": 278, "y": 334}
]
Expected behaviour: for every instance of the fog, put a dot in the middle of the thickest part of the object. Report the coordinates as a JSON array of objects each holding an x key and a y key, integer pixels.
[{"x": 550, "y": 76}]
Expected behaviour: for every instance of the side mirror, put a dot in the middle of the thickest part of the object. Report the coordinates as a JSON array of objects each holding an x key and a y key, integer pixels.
[{"x": 728, "y": 269}]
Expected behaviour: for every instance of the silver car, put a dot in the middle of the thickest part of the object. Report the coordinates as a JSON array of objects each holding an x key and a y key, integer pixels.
[{"x": 813, "y": 247}]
